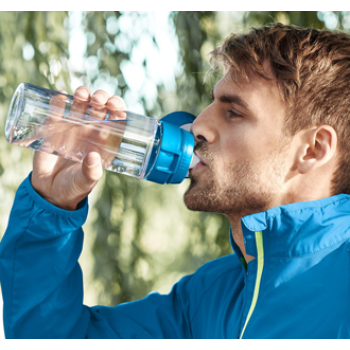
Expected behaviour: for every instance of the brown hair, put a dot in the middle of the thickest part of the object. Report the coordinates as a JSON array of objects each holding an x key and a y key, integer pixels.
[{"x": 312, "y": 68}]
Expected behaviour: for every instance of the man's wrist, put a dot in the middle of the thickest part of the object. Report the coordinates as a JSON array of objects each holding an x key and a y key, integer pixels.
[
  {"x": 80, "y": 212},
  {"x": 70, "y": 207},
  {"x": 64, "y": 206}
]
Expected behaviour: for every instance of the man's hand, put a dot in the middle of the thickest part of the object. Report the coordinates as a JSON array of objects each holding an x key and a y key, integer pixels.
[{"x": 64, "y": 182}]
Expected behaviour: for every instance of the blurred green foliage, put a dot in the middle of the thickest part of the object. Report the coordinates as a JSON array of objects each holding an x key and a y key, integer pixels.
[
  {"x": 141, "y": 236},
  {"x": 42, "y": 36}
]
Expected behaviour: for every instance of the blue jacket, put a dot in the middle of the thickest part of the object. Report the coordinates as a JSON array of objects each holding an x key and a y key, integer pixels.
[{"x": 298, "y": 286}]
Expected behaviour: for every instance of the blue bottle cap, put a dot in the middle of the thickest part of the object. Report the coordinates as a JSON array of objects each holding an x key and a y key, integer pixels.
[{"x": 176, "y": 150}]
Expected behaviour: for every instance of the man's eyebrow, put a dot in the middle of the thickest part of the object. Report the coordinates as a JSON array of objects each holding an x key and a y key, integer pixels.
[{"x": 230, "y": 99}]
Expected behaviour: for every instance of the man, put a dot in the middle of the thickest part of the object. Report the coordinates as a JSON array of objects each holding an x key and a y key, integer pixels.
[{"x": 275, "y": 159}]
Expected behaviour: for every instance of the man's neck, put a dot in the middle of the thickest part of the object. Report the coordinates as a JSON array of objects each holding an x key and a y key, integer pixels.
[
  {"x": 235, "y": 220},
  {"x": 237, "y": 235}
]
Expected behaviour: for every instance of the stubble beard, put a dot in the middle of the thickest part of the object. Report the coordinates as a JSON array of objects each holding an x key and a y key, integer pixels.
[{"x": 242, "y": 189}]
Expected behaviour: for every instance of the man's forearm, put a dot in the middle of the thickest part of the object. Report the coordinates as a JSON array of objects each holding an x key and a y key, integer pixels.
[{"x": 40, "y": 278}]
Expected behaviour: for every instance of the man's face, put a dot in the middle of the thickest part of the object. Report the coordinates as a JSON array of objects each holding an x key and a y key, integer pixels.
[{"x": 239, "y": 138}]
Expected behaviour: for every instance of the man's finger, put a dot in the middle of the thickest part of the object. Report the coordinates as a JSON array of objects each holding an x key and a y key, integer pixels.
[
  {"x": 117, "y": 108},
  {"x": 99, "y": 99},
  {"x": 91, "y": 171},
  {"x": 116, "y": 102},
  {"x": 49, "y": 128},
  {"x": 80, "y": 103}
]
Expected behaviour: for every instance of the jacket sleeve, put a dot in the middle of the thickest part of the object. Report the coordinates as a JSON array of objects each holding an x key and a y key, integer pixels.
[{"x": 42, "y": 282}]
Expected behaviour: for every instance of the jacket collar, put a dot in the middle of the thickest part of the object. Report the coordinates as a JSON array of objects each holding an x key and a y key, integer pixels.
[{"x": 298, "y": 229}]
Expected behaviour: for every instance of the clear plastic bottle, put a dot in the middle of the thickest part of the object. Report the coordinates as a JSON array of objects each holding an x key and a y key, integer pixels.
[{"x": 128, "y": 143}]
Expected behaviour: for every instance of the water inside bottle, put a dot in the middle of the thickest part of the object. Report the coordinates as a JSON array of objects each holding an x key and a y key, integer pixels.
[{"x": 125, "y": 145}]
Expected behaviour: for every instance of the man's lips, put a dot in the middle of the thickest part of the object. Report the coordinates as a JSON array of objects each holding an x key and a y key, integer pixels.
[{"x": 198, "y": 166}]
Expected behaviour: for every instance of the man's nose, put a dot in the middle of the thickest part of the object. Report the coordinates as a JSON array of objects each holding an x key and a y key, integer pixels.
[{"x": 203, "y": 128}]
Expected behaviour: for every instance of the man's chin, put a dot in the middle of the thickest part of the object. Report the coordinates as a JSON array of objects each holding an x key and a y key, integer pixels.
[
  {"x": 197, "y": 198},
  {"x": 208, "y": 198},
  {"x": 190, "y": 196}
]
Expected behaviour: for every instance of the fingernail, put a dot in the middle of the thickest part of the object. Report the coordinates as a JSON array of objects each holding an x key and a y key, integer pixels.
[{"x": 93, "y": 160}]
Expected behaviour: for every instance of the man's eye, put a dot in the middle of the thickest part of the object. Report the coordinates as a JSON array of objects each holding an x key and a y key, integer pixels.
[{"x": 233, "y": 114}]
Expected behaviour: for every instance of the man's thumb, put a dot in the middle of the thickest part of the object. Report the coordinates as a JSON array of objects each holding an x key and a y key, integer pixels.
[{"x": 92, "y": 167}]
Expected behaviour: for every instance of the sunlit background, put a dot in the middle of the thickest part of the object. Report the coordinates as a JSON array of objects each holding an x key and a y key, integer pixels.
[{"x": 139, "y": 237}]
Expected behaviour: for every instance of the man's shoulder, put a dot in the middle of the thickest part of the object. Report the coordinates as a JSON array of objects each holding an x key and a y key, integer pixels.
[
  {"x": 214, "y": 270},
  {"x": 211, "y": 282},
  {"x": 224, "y": 264}
]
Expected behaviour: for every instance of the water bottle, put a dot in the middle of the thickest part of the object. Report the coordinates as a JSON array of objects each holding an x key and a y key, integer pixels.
[{"x": 49, "y": 121}]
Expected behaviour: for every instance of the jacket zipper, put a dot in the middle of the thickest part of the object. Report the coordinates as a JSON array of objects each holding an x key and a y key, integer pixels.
[{"x": 260, "y": 257}]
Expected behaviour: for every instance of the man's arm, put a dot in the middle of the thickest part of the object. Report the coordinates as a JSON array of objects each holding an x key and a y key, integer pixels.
[
  {"x": 42, "y": 282},
  {"x": 40, "y": 278}
]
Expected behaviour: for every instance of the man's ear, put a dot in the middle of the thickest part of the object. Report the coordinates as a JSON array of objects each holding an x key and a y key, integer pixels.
[{"x": 318, "y": 146}]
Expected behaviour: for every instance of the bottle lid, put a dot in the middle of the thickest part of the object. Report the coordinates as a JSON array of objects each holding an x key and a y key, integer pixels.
[{"x": 176, "y": 149}]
